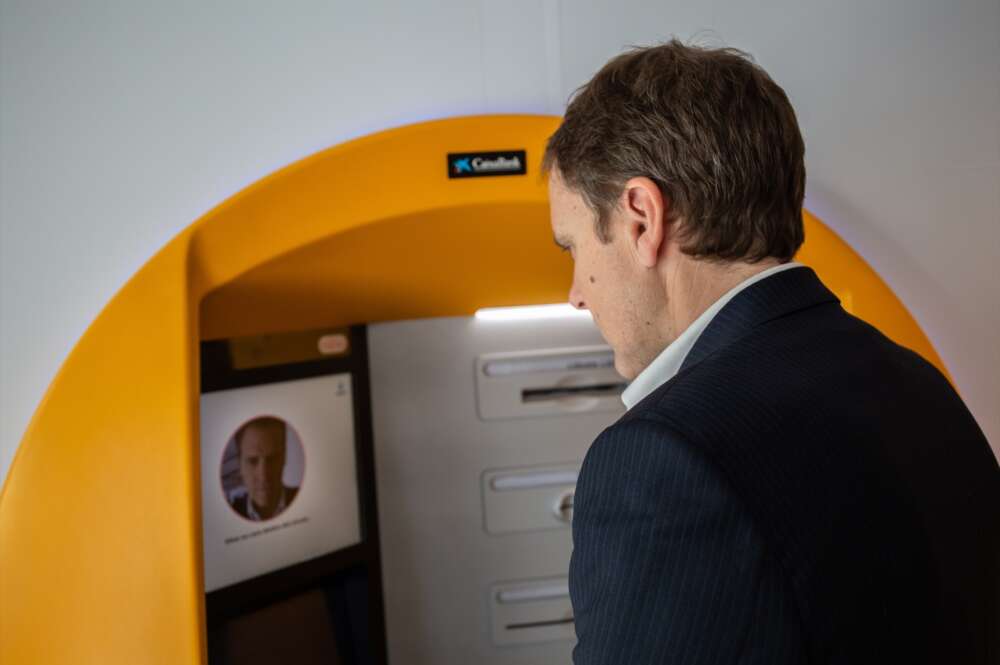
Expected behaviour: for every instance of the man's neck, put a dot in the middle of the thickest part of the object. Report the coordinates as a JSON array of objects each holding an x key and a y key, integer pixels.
[
  {"x": 693, "y": 285},
  {"x": 269, "y": 511}
]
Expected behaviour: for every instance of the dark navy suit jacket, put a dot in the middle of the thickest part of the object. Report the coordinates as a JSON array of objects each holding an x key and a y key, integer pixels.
[{"x": 803, "y": 491}]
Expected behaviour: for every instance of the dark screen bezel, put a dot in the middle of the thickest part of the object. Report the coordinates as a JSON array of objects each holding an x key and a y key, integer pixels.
[{"x": 258, "y": 592}]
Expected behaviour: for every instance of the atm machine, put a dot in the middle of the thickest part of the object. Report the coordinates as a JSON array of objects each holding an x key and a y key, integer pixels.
[
  {"x": 478, "y": 426},
  {"x": 347, "y": 443}
]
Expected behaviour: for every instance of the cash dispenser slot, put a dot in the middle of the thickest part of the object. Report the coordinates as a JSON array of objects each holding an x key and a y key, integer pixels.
[
  {"x": 532, "y": 611},
  {"x": 539, "y": 624},
  {"x": 600, "y": 390},
  {"x": 529, "y": 499},
  {"x": 547, "y": 382}
]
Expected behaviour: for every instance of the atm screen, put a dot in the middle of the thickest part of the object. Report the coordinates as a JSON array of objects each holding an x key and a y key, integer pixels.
[
  {"x": 290, "y": 538},
  {"x": 279, "y": 476}
]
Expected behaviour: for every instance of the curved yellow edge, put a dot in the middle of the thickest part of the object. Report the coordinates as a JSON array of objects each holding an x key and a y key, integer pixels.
[{"x": 100, "y": 517}]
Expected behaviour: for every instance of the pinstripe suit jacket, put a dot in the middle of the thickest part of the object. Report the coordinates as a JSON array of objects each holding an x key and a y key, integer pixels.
[{"x": 803, "y": 491}]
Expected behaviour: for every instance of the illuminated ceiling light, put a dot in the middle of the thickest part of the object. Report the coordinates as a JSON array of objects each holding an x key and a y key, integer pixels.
[{"x": 530, "y": 312}]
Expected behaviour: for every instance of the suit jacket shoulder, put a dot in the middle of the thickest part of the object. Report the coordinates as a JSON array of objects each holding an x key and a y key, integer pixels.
[
  {"x": 239, "y": 504},
  {"x": 668, "y": 565}
]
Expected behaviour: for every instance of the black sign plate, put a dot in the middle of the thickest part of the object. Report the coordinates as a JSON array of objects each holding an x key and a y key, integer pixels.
[{"x": 484, "y": 164}]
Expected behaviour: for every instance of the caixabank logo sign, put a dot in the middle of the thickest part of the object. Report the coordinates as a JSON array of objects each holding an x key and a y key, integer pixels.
[{"x": 483, "y": 164}]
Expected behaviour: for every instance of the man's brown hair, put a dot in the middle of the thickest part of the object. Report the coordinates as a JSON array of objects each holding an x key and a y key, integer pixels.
[
  {"x": 261, "y": 422},
  {"x": 710, "y": 128}
]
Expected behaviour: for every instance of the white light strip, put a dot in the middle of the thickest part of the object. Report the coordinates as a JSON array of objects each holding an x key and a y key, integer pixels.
[
  {"x": 531, "y": 312},
  {"x": 528, "y": 594},
  {"x": 523, "y": 481}
]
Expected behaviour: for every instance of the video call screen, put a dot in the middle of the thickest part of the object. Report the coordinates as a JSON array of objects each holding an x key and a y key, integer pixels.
[
  {"x": 279, "y": 476},
  {"x": 290, "y": 529}
]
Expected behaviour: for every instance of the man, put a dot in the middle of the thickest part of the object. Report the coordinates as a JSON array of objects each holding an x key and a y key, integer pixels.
[
  {"x": 787, "y": 485},
  {"x": 260, "y": 444}
]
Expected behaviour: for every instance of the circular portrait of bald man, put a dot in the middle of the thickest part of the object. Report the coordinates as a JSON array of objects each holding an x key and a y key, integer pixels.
[{"x": 262, "y": 468}]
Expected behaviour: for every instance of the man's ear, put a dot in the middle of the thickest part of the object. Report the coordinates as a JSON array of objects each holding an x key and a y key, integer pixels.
[{"x": 645, "y": 216}]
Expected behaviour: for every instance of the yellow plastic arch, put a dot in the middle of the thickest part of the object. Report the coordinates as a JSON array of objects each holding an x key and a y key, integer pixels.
[{"x": 100, "y": 518}]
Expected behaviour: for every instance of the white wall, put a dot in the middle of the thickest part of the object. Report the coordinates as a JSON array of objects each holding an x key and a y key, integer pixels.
[{"x": 123, "y": 122}]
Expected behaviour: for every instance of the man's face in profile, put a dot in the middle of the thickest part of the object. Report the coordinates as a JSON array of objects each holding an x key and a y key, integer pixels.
[
  {"x": 262, "y": 460},
  {"x": 604, "y": 277}
]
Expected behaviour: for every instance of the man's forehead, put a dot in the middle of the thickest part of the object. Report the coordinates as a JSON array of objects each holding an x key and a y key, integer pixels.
[
  {"x": 258, "y": 441},
  {"x": 566, "y": 206},
  {"x": 265, "y": 430}
]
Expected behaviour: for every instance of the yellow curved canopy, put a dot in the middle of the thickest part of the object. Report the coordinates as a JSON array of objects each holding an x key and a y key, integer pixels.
[{"x": 100, "y": 516}]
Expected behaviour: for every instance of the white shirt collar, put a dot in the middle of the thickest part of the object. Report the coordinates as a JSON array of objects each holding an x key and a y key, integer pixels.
[{"x": 668, "y": 363}]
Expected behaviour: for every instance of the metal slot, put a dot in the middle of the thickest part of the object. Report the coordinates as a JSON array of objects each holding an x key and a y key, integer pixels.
[
  {"x": 539, "y": 624},
  {"x": 551, "y": 394},
  {"x": 532, "y": 611}
]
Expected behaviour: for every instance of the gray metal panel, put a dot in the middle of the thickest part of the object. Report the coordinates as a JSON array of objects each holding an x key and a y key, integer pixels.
[{"x": 431, "y": 454}]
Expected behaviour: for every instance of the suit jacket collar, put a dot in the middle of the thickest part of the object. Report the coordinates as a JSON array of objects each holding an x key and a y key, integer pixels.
[{"x": 778, "y": 295}]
